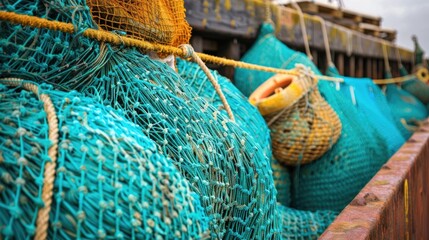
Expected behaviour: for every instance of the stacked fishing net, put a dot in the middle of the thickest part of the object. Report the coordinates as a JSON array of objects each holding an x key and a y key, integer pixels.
[
  {"x": 405, "y": 106},
  {"x": 369, "y": 100},
  {"x": 332, "y": 181},
  {"x": 303, "y": 125},
  {"x": 246, "y": 115},
  {"x": 416, "y": 87},
  {"x": 109, "y": 181},
  {"x": 161, "y": 21},
  {"x": 296, "y": 224},
  {"x": 267, "y": 51},
  {"x": 304, "y": 224},
  {"x": 221, "y": 161}
]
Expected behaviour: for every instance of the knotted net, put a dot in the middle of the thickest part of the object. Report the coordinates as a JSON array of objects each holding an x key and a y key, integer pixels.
[
  {"x": 369, "y": 99},
  {"x": 333, "y": 180},
  {"x": 221, "y": 161},
  {"x": 295, "y": 224},
  {"x": 110, "y": 182}
]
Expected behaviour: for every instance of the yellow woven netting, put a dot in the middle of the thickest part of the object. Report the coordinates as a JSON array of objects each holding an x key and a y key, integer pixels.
[{"x": 161, "y": 21}]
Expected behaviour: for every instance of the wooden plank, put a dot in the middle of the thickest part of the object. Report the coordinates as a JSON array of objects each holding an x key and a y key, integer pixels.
[
  {"x": 352, "y": 66},
  {"x": 232, "y": 51},
  {"x": 340, "y": 63},
  {"x": 197, "y": 43},
  {"x": 368, "y": 67},
  {"x": 360, "y": 67},
  {"x": 248, "y": 16}
]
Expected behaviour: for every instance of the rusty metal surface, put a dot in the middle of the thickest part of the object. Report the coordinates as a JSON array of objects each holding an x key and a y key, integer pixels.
[{"x": 394, "y": 204}]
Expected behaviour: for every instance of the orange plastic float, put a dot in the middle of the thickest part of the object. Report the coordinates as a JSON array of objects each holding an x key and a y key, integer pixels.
[{"x": 303, "y": 125}]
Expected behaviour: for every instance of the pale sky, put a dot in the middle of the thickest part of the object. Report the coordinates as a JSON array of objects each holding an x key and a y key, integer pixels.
[{"x": 408, "y": 17}]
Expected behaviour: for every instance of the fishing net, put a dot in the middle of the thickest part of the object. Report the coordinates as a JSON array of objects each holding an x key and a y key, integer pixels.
[
  {"x": 161, "y": 21},
  {"x": 283, "y": 182},
  {"x": 303, "y": 125},
  {"x": 405, "y": 106},
  {"x": 333, "y": 180},
  {"x": 369, "y": 99},
  {"x": 305, "y": 224},
  {"x": 246, "y": 115},
  {"x": 267, "y": 51},
  {"x": 110, "y": 183},
  {"x": 419, "y": 89},
  {"x": 221, "y": 161},
  {"x": 296, "y": 224}
]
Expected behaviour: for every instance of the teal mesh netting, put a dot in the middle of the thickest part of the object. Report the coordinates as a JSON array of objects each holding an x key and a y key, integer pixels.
[
  {"x": 296, "y": 224},
  {"x": 267, "y": 51},
  {"x": 246, "y": 115},
  {"x": 332, "y": 181},
  {"x": 370, "y": 100},
  {"x": 404, "y": 105},
  {"x": 110, "y": 183},
  {"x": 416, "y": 87},
  {"x": 304, "y": 224},
  {"x": 222, "y": 162}
]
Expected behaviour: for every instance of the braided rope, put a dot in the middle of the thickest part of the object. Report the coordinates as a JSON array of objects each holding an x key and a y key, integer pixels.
[
  {"x": 190, "y": 53},
  {"x": 325, "y": 39},
  {"x": 303, "y": 29},
  {"x": 104, "y": 36},
  {"x": 49, "y": 174}
]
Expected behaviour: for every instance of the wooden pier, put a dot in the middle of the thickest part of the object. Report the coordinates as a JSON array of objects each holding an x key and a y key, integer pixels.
[{"x": 228, "y": 28}]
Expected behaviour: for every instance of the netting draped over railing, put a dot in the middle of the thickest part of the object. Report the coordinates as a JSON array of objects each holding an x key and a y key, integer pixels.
[{"x": 222, "y": 162}]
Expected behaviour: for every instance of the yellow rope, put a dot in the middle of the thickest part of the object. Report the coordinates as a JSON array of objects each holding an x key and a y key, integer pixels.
[
  {"x": 303, "y": 29},
  {"x": 190, "y": 53},
  {"x": 395, "y": 80},
  {"x": 42, "y": 222},
  {"x": 104, "y": 36}
]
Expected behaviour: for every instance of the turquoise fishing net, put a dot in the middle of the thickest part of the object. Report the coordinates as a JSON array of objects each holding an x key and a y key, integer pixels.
[
  {"x": 404, "y": 105},
  {"x": 271, "y": 52},
  {"x": 416, "y": 87},
  {"x": 304, "y": 224},
  {"x": 222, "y": 162},
  {"x": 246, "y": 115},
  {"x": 296, "y": 224},
  {"x": 370, "y": 100},
  {"x": 110, "y": 181},
  {"x": 283, "y": 182},
  {"x": 333, "y": 180}
]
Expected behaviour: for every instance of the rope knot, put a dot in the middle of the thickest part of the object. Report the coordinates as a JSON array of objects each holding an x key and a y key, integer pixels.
[{"x": 188, "y": 50}]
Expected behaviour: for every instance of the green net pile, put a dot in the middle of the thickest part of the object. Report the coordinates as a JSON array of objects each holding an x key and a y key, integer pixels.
[
  {"x": 110, "y": 182},
  {"x": 416, "y": 87},
  {"x": 304, "y": 224},
  {"x": 370, "y": 100},
  {"x": 246, "y": 115},
  {"x": 404, "y": 105},
  {"x": 223, "y": 164},
  {"x": 267, "y": 51},
  {"x": 332, "y": 181},
  {"x": 295, "y": 224}
]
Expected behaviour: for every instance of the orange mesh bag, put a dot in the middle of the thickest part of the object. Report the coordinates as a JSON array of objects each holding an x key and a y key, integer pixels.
[
  {"x": 303, "y": 125},
  {"x": 160, "y": 21}
]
